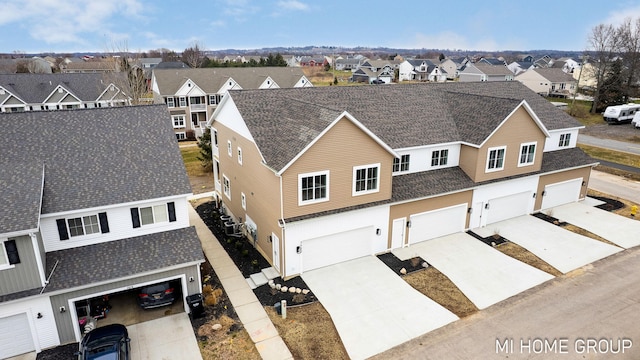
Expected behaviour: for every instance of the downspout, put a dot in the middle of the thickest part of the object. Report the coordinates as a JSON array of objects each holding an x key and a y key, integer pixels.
[{"x": 282, "y": 224}]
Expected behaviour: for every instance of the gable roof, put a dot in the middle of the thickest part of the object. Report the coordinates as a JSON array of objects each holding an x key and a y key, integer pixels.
[
  {"x": 554, "y": 75},
  {"x": 283, "y": 121},
  {"x": 96, "y": 157},
  {"x": 493, "y": 69}
]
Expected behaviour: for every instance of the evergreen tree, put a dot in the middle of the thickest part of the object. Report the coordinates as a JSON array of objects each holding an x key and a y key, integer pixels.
[{"x": 206, "y": 154}]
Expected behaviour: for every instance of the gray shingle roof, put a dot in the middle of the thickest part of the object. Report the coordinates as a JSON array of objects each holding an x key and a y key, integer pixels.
[
  {"x": 96, "y": 157},
  {"x": 401, "y": 115},
  {"x": 21, "y": 194},
  {"x": 116, "y": 259},
  {"x": 555, "y": 75},
  {"x": 36, "y": 88},
  {"x": 493, "y": 69}
]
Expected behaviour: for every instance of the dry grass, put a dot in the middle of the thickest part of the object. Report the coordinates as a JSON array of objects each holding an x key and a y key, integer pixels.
[
  {"x": 519, "y": 253},
  {"x": 440, "y": 289},
  {"x": 309, "y": 332},
  {"x": 226, "y": 343}
]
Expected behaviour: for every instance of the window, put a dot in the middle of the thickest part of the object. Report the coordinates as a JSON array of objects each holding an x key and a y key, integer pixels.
[
  {"x": 565, "y": 140},
  {"x": 183, "y": 101},
  {"x": 243, "y": 200},
  {"x": 495, "y": 160},
  {"x": 401, "y": 163},
  {"x": 366, "y": 179},
  {"x": 527, "y": 154},
  {"x": 170, "y": 102},
  {"x": 314, "y": 187},
  {"x": 240, "y": 156},
  {"x": 8, "y": 253},
  {"x": 85, "y": 225},
  {"x": 155, "y": 214},
  {"x": 439, "y": 157},
  {"x": 215, "y": 137},
  {"x": 181, "y": 136},
  {"x": 178, "y": 121},
  {"x": 226, "y": 186},
  {"x": 229, "y": 151}
]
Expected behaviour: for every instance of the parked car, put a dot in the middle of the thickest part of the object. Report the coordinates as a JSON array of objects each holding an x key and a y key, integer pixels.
[
  {"x": 378, "y": 81},
  {"x": 156, "y": 295},
  {"x": 106, "y": 342}
]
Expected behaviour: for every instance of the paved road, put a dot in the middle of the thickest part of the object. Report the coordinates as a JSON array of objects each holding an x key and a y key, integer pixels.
[
  {"x": 610, "y": 144},
  {"x": 615, "y": 185},
  {"x": 593, "y": 309}
]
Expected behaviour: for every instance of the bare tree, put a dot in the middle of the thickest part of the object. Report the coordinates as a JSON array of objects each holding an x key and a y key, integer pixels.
[
  {"x": 604, "y": 42},
  {"x": 127, "y": 73},
  {"x": 193, "y": 56},
  {"x": 629, "y": 32}
]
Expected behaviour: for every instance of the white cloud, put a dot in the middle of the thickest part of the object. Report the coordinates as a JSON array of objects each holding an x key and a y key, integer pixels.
[
  {"x": 292, "y": 5},
  {"x": 218, "y": 23},
  {"x": 617, "y": 17}
]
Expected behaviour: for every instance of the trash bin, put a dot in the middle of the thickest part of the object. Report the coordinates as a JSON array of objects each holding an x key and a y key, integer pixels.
[{"x": 196, "y": 307}]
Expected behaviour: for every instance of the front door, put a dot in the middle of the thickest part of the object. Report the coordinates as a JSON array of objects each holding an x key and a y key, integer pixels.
[
  {"x": 397, "y": 233},
  {"x": 275, "y": 246}
]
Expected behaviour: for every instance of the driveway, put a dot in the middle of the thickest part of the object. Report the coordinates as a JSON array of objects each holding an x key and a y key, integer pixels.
[
  {"x": 613, "y": 227},
  {"x": 372, "y": 308},
  {"x": 167, "y": 338},
  {"x": 560, "y": 248},
  {"x": 485, "y": 275}
]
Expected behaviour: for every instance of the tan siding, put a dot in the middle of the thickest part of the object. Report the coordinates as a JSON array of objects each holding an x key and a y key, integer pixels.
[
  {"x": 545, "y": 180},
  {"x": 260, "y": 185},
  {"x": 468, "y": 160},
  {"x": 339, "y": 150},
  {"x": 420, "y": 206},
  {"x": 520, "y": 128}
]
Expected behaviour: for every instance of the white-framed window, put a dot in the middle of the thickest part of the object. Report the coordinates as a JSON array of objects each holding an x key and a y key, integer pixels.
[
  {"x": 84, "y": 225},
  {"x": 313, "y": 187},
  {"x": 229, "y": 148},
  {"x": 366, "y": 179},
  {"x": 214, "y": 137},
  {"x": 178, "y": 121},
  {"x": 527, "y": 154},
  {"x": 565, "y": 140},
  {"x": 170, "y": 102},
  {"x": 8, "y": 254},
  {"x": 183, "y": 101},
  {"x": 153, "y": 214},
  {"x": 239, "y": 155},
  {"x": 243, "y": 201},
  {"x": 495, "y": 158},
  {"x": 226, "y": 186},
  {"x": 439, "y": 157},
  {"x": 4, "y": 259},
  {"x": 401, "y": 164},
  {"x": 181, "y": 136}
]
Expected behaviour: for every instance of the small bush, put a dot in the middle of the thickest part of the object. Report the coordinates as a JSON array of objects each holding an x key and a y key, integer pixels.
[
  {"x": 245, "y": 253},
  {"x": 206, "y": 290},
  {"x": 211, "y": 300}
]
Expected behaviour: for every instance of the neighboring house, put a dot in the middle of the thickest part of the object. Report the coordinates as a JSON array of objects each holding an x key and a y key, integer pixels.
[
  {"x": 92, "y": 65},
  {"x": 492, "y": 61},
  {"x": 517, "y": 67},
  {"x": 485, "y": 72},
  {"x": 586, "y": 76},
  {"x": 379, "y": 65},
  {"x": 350, "y": 64},
  {"x": 544, "y": 62},
  {"x": 450, "y": 68},
  {"x": 323, "y": 175},
  {"x": 366, "y": 75},
  {"x": 415, "y": 70},
  {"x": 33, "y": 92},
  {"x": 311, "y": 61},
  {"x": 569, "y": 64},
  {"x": 548, "y": 82},
  {"x": 191, "y": 95},
  {"x": 92, "y": 207}
]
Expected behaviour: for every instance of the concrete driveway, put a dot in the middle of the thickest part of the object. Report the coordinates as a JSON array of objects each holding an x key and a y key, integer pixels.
[
  {"x": 613, "y": 227},
  {"x": 485, "y": 275},
  {"x": 372, "y": 308},
  {"x": 560, "y": 248},
  {"x": 167, "y": 338}
]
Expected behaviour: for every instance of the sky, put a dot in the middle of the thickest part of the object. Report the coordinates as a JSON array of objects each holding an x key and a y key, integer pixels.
[{"x": 67, "y": 26}]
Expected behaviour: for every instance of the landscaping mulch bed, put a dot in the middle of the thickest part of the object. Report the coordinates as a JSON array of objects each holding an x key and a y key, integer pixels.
[
  {"x": 610, "y": 204},
  {"x": 491, "y": 240},
  {"x": 62, "y": 352},
  {"x": 395, "y": 264}
]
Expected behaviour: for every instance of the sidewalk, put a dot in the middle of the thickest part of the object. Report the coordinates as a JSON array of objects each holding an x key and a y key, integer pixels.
[{"x": 249, "y": 310}]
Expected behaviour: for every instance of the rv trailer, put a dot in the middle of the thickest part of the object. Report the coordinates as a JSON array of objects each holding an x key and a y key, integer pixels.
[{"x": 619, "y": 114}]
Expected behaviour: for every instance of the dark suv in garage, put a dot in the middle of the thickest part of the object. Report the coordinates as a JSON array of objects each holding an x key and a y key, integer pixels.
[{"x": 156, "y": 295}]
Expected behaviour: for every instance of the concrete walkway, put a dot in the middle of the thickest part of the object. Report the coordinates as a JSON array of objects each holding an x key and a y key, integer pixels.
[
  {"x": 485, "y": 275},
  {"x": 251, "y": 313},
  {"x": 373, "y": 308},
  {"x": 176, "y": 340},
  {"x": 560, "y": 248},
  {"x": 619, "y": 230}
]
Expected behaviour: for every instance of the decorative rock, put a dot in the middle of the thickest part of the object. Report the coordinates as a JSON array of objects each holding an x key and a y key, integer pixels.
[
  {"x": 271, "y": 282},
  {"x": 298, "y": 290},
  {"x": 292, "y": 289},
  {"x": 284, "y": 289},
  {"x": 305, "y": 291},
  {"x": 403, "y": 271},
  {"x": 278, "y": 286},
  {"x": 425, "y": 264},
  {"x": 216, "y": 327},
  {"x": 272, "y": 285}
]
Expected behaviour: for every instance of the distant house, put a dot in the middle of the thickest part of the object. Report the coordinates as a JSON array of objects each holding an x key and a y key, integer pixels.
[
  {"x": 517, "y": 67},
  {"x": 312, "y": 61},
  {"x": 481, "y": 71},
  {"x": 422, "y": 70},
  {"x": 350, "y": 64},
  {"x": 492, "y": 61},
  {"x": 92, "y": 65},
  {"x": 365, "y": 75},
  {"x": 548, "y": 81},
  {"x": 585, "y": 75}
]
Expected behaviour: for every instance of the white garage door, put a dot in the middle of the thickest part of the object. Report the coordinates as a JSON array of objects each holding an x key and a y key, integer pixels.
[
  {"x": 336, "y": 248},
  {"x": 561, "y": 193},
  {"x": 15, "y": 336},
  {"x": 508, "y": 207},
  {"x": 437, "y": 223}
]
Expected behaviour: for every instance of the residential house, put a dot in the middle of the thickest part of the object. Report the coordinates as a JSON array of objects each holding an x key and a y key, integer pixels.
[
  {"x": 92, "y": 65},
  {"x": 485, "y": 72},
  {"x": 33, "y": 92},
  {"x": 311, "y": 61},
  {"x": 450, "y": 68},
  {"x": 568, "y": 65},
  {"x": 548, "y": 82},
  {"x": 366, "y": 75},
  {"x": 92, "y": 208},
  {"x": 422, "y": 70},
  {"x": 348, "y": 63},
  {"x": 544, "y": 62},
  {"x": 191, "y": 95},
  {"x": 517, "y": 67},
  {"x": 492, "y": 61},
  {"x": 586, "y": 75},
  {"x": 323, "y": 175}
]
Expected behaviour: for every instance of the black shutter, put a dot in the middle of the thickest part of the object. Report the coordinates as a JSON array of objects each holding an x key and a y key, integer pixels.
[
  {"x": 135, "y": 217},
  {"x": 62, "y": 229},
  {"x": 171, "y": 208},
  {"x": 12, "y": 252},
  {"x": 104, "y": 224}
]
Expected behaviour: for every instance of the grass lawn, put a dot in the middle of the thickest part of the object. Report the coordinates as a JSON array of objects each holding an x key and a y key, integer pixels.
[{"x": 190, "y": 152}]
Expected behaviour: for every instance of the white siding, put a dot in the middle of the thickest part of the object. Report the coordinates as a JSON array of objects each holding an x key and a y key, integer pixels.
[
  {"x": 420, "y": 158},
  {"x": 43, "y": 330},
  {"x": 229, "y": 116},
  {"x": 120, "y": 225},
  {"x": 552, "y": 142},
  {"x": 482, "y": 196}
]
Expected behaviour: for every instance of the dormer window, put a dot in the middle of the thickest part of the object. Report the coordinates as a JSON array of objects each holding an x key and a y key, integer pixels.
[
  {"x": 401, "y": 164},
  {"x": 495, "y": 158}
]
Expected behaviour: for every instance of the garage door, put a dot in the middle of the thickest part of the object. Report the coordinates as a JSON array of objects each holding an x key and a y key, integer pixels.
[
  {"x": 561, "y": 193},
  {"x": 437, "y": 223},
  {"x": 15, "y": 336},
  {"x": 336, "y": 248},
  {"x": 508, "y": 207}
]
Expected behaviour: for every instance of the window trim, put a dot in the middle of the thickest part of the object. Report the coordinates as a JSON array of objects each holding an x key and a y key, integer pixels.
[
  {"x": 239, "y": 155},
  {"x": 504, "y": 156},
  {"x": 177, "y": 117},
  {"x": 400, "y": 165},
  {"x": 229, "y": 148},
  {"x": 171, "y": 102},
  {"x": 182, "y": 101},
  {"x": 243, "y": 201},
  {"x": 354, "y": 181},
  {"x": 533, "y": 156},
  {"x": 565, "y": 140},
  {"x": 226, "y": 186},
  {"x": 439, "y": 159},
  {"x": 326, "y": 173},
  {"x": 170, "y": 212},
  {"x": 5, "y": 256}
]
